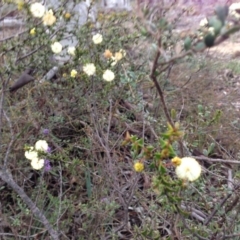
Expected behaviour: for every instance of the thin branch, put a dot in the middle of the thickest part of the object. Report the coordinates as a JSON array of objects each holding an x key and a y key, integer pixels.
[
  {"x": 159, "y": 89},
  {"x": 204, "y": 158},
  {"x": 7, "y": 178},
  {"x": 10, "y": 143},
  {"x": 219, "y": 206}
]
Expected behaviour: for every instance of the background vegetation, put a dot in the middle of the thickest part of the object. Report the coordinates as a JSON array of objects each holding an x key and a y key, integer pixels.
[{"x": 166, "y": 79}]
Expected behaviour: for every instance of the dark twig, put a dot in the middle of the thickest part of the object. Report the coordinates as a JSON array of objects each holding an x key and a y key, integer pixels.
[
  {"x": 159, "y": 89},
  {"x": 220, "y": 206}
]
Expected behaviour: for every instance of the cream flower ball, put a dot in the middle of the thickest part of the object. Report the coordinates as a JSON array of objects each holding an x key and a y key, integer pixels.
[
  {"x": 89, "y": 69},
  {"x": 97, "y": 38},
  {"x": 108, "y": 75},
  {"x": 49, "y": 19},
  {"x": 188, "y": 169},
  {"x": 37, "y": 10},
  {"x": 203, "y": 22},
  {"x": 71, "y": 51},
  {"x": 31, "y": 154},
  {"x": 37, "y": 163},
  {"x": 56, "y": 47},
  {"x": 41, "y": 145},
  {"x": 233, "y": 10}
]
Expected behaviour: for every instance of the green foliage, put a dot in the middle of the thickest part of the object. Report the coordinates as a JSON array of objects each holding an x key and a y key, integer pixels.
[{"x": 94, "y": 189}]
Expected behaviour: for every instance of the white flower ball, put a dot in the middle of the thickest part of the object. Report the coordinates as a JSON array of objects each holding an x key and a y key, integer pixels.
[
  {"x": 97, "y": 38},
  {"x": 71, "y": 51},
  {"x": 108, "y": 75},
  {"x": 41, "y": 145},
  {"x": 189, "y": 169},
  {"x": 31, "y": 154},
  {"x": 37, "y": 163},
  {"x": 56, "y": 47},
  {"x": 37, "y": 10}
]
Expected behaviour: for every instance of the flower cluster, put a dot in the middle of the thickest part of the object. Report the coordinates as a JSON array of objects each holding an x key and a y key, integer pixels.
[
  {"x": 114, "y": 58},
  {"x": 38, "y": 11},
  {"x": 32, "y": 154},
  {"x": 187, "y": 168}
]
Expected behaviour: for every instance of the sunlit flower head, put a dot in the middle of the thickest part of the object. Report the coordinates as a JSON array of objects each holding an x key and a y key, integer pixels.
[
  {"x": 234, "y": 10},
  {"x": 118, "y": 56},
  {"x": 203, "y": 22},
  {"x": 37, "y": 163},
  {"x": 33, "y": 31},
  {"x": 107, "y": 54},
  {"x": 97, "y": 38},
  {"x": 41, "y": 145},
  {"x": 187, "y": 168},
  {"x": 71, "y": 50},
  {"x": 138, "y": 167},
  {"x": 108, "y": 75},
  {"x": 37, "y": 10},
  {"x": 211, "y": 30},
  {"x": 31, "y": 153},
  {"x": 56, "y": 47},
  {"x": 89, "y": 69},
  {"x": 49, "y": 19},
  {"x": 73, "y": 73}
]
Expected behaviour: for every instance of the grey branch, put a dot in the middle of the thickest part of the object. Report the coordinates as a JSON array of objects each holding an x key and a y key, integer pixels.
[{"x": 7, "y": 178}]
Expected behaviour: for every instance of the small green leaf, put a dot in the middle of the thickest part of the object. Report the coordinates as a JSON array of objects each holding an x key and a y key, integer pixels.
[
  {"x": 210, "y": 149},
  {"x": 200, "y": 46},
  {"x": 209, "y": 40},
  {"x": 161, "y": 169},
  {"x": 173, "y": 113},
  {"x": 205, "y": 152},
  {"x": 187, "y": 43}
]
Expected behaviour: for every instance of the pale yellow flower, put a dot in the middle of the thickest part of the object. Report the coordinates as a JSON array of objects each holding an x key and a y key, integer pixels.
[
  {"x": 71, "y": 51},
  {"x": 33, "y": 31},
  {"x": 37, "y": 10},
  {"x": 187, "y": 168},
  {"x": 211, "y": 30},
  {"x": 118, "y": 56},
  {"x": 37, "y": 163},
  {"x": 56, "y": 47},
  {"x": 41, "y": 145},
  {"x": 97, "y": 38},
  {"x": 73, "y": 73},
  {"x": 138, "y": 167},
  {"x": 31, "y": 154},
  {"x": 89, "y": 69},
  {"x": 67, "y": 15},
  {"x": 108, "y": 75},
  {"x": 49, "y": 19}
]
